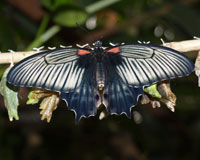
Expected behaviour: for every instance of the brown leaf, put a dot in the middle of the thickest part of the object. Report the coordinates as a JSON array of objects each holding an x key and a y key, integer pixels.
[
  {"x": 145, "y": 99},
  {"x": 168, "y": 97},
  {"x": 155, "y": 104},
  {"x": 48, "y": 105}
]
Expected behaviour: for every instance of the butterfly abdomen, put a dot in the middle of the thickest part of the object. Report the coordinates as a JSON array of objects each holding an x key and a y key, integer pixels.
[{"x": 100, "y": 75}]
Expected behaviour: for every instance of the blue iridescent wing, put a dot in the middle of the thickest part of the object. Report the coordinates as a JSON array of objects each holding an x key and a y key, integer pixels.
[
  {"x": 64, "y": 71},
  {"x": 83, "y": 100},
  {"x": 143, "y": 64},
  {"x": 119, "y": 97}
]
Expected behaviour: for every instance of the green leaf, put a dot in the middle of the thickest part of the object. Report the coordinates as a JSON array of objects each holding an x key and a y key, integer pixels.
[
  {"x": 10, "y": 97},
  {"x": 37, "y": 94},
  {"x": 32, "y": 99},
  {"x": 152, "y": 90},
  {"x": 70, "y": 18}
]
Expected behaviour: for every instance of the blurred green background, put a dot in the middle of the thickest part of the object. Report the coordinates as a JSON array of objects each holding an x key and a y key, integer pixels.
[{"x": 151, "y": 134}]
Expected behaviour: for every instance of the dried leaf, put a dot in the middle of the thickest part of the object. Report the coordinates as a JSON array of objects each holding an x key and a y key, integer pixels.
[
  {"x": 165, "y": 96},
  {"x": 155, "y": 104},
  {"x": 169, "y": 104},
  {"x": 168, "y": 97},
  {"x": 145, "y": 99},
  {"x": 48, "y": 105},
  {"x": 10, "y": 97}
]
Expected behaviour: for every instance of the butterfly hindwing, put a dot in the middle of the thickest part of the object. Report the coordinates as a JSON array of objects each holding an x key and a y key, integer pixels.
[
  {"x": 83, "y": 99},
  {"x": 119, "y": 96}
]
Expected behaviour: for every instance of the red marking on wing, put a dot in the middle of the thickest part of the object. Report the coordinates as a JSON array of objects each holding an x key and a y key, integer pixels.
[
  {"x": 82, "y": 52},
  {"x": 114, "y": 50}
]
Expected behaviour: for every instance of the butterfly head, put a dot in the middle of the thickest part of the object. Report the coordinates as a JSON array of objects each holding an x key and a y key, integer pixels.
[
  {"x": 97, "y": 44},
  {"x": 98, "y": 49}
]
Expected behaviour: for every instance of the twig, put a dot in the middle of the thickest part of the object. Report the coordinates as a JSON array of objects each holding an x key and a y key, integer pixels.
[
  {"x": 183, "y": 46},
  {"x": 197, "y": 68},
  {"x": 15, "y": 57}
]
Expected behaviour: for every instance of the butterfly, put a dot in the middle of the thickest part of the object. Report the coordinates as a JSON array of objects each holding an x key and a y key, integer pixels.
[{"x": 113, "y": 76}]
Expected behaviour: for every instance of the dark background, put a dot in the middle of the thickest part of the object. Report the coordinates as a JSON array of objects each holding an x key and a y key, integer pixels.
[{"x": 151, "y": 134}]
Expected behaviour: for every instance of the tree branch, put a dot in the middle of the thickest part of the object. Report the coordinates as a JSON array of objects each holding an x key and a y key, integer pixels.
[
  {"x": 197, "y": 67},
  {"x": 185, "y": 46},
  {"x": 15, "y": 57},
  {"x": 182, "y": 46}
]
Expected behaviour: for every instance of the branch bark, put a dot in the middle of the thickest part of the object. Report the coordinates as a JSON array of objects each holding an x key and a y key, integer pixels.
[
  {"x": 185, "y": 46},
  {"x": 182, "y": 46},
  {"x": 15, "y": 57},
  {"x": 197, "y": 67}
]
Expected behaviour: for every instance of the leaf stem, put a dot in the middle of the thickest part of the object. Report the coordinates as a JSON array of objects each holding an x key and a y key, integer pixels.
[
  {"x": 99, "y": 5},
  {"x": 43, "y": 25}
]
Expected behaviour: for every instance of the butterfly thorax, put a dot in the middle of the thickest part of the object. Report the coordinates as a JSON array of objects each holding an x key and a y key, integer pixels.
[
  {"x": 98, "y": 50},
  {"x": 100, "y": 75}
]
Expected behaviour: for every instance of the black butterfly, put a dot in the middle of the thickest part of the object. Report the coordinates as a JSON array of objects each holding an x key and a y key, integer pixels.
[{"x": 87, "y": 78}]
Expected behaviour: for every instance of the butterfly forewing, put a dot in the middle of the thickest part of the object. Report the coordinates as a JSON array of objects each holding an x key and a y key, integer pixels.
[
  {"x": 140, "y": 65},
  {"x": 58, "y": 70}
]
